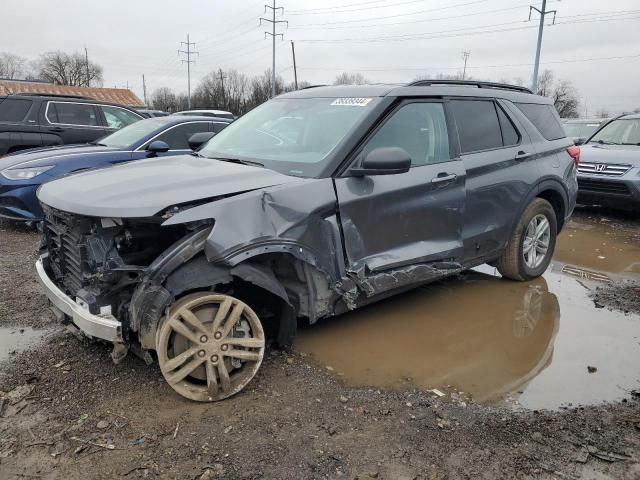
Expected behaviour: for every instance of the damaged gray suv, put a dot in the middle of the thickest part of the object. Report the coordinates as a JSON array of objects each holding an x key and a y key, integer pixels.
[{"x": 315, "y": 203}]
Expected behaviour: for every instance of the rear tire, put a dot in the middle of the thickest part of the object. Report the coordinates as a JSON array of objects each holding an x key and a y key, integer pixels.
[{"x": 530, "y": 248}]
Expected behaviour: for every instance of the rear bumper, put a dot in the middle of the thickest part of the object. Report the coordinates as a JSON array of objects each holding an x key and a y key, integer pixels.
[{"x": 105, "y": 327}]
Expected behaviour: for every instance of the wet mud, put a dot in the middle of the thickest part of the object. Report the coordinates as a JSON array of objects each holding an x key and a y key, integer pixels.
[{"x": 541, "y": 344}]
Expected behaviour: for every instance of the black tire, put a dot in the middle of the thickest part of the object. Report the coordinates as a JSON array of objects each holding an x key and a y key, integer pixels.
[{"x": 512, "y": 263}]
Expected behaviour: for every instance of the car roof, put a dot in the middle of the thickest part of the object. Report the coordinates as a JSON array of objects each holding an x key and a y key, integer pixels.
[
  {"x": 202, "y": 110},
  {"x": 423, "y": 88},
  {"x": 175, "y": 119},
  {"x": 631, "y": 116},
  {"x": 65, "y": 98},
  {"x": 584, "y": 120}
]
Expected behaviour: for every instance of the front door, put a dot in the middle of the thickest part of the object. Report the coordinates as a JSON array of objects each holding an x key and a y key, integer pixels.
[{"x": 391, "y": 222}]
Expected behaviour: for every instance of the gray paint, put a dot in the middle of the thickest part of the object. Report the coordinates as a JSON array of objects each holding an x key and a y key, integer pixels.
[{"x": 146, "y": 187}]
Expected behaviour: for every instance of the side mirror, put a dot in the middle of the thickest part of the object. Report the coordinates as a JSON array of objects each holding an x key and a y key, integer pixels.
[
  {"x": 383, "y": 161},
  {"x": 198, "y": 139},
  {"x": 579, "y": 141},
  {"x": 158, "y": 146}
]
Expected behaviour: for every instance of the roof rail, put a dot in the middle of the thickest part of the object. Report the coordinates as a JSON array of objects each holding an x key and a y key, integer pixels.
[
  {"x": 470, "y": 83},
  {"x": 61, "y": 95},
  {"x": 312, "y": 86}
]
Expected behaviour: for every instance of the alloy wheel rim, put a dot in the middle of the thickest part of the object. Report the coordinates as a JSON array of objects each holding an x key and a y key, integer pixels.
[
  {"x": 536, "y": 241},
  {"x": 210, "y": 346}
]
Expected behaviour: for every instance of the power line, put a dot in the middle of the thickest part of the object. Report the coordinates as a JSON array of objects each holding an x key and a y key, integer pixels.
[
  {"x": 339, "y": 10},
  {"x": 273, "y": 36},
  {"x": 341, "y": 6},
  {"x": 188, "y": 61},
  {"x": 465, "y": 56},
  {"x": 543, "y": 13}
]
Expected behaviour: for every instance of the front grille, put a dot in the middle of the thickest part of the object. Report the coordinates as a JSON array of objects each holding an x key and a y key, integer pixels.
[
  {"x": 603, "y": 186},
  {"x": 607, "y": 169},
  {"x": 64, "y": 234}
]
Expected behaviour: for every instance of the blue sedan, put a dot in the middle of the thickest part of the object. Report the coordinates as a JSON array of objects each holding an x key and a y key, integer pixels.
[{"x": 22, "y": 173}]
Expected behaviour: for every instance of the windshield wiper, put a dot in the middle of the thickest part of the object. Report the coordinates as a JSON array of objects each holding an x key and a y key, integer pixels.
[
  {"x": 631, "y": 143},
  {"x": 238, "y": 160},
  {"x": 604, "y": 142}
]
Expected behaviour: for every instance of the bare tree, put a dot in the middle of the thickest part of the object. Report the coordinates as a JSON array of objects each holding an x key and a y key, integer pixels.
[
  {"x": 12, "y": 66},
  {"x": 164, "y": 99},
  {"x": 350, "y": 79},
  {"x": 68, "y": 69},
  {"x": 564, "y": 95}
]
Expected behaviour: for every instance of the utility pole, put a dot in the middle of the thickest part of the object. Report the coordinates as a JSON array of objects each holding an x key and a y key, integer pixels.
[
  {"x": 221, "y": 77},
  {"x": 86, "y": 64},
  {"x": 543, "y": 12},
  {"x": 465, "y": 56},
  {"x": 295, "y": 71},
  {"x": 144, "y": 90},
  {"x": 188, "y": 61},
  {"x": 273, "y": 35}
]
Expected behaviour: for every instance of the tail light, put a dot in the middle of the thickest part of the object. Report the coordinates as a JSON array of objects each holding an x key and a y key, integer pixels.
[{"x": 574, "y": 152}]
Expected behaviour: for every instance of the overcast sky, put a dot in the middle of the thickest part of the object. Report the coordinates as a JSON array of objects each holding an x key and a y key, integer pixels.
[{"x": 386, "y": 40}]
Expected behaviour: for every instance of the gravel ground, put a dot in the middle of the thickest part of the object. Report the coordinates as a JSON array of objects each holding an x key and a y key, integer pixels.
[
  {"x": 69, "y": 413},
  {"x": 622, "y": 296}
]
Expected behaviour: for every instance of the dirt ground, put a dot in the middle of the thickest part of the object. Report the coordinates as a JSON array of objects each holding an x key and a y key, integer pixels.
[{"x": 70, "y": 413}]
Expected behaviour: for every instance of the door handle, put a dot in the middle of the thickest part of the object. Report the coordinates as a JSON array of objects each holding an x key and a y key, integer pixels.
[
  {"x": 56, "y": 129},
  {"x": 444, "y": 178},
  {"x": 522, "y": 155}
]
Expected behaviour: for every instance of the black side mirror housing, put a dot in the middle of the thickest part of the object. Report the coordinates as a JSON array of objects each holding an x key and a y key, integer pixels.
[
  {"x": 158, "y": 146},
  {"x": 383, "y": 161},
  {"x": 198, "y": 139},
  {"x": 579, "y": 141}
]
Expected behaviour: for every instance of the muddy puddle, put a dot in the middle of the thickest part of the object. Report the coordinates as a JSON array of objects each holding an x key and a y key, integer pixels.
[
  {"x": 528, "y": 344},
  {"x": 14, "y": 340}
]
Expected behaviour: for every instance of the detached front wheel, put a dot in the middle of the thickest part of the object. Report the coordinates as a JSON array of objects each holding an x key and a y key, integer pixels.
[
  {"x": 530, "y": 248},
  {"x": 209, "y": 346}
]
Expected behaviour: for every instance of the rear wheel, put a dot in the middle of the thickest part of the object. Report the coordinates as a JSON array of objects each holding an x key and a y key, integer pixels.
[
  {"x": 209, "y": 346},
  {"x": 530, "y": 248}
]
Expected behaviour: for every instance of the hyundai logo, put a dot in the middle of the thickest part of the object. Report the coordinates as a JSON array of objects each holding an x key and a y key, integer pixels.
[{"x": 601, "y": 167}]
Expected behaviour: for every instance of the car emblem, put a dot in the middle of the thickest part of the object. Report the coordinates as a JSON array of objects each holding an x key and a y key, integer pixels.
[{"x": 601, "y": 167}]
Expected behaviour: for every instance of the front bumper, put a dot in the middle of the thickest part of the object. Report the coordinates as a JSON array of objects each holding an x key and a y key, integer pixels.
[
  {"x": 105, "y": 327},
  {"x": 19, "y": 202},
  {"x": 623, "y": 191}
]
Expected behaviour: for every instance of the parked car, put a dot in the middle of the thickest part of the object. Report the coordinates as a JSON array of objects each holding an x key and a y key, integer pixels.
[
  {"x": 609, "y": 173},
  {"x": 200, "y": 258},
  {"x": 21, "y": 174},
  {"x": 579, "y": 129},
  {"x": 152, "y": 113},
  {"x": 208, "y": 113},
  {"x": 38, "y": 120}
]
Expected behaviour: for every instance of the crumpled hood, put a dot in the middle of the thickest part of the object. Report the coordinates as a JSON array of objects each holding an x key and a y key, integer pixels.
[
  {"x": 144, "y": 188},
  {"x": 50, "y": 155},
  {"x": 596, "y": 153}
]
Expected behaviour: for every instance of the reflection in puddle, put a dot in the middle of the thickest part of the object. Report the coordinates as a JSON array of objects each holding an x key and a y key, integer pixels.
[
  {"x": 488, "y": 337},
  {"x": 17, "y": 339}
]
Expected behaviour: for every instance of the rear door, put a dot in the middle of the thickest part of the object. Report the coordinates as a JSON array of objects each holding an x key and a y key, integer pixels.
[
  {"x": 18, "y": 125},
  {"x": 117, "y": 117},
  {"x": 394, "y": 221},
  {"x": 72, "y": 122},
  {"x": 501, "y": 170}
]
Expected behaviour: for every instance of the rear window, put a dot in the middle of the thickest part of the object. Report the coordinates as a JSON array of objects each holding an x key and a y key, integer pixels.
[
  {"x": 478, "y": 126},
  {"x": 544, "y": 118},
  {"x": 14, "y": 109}
]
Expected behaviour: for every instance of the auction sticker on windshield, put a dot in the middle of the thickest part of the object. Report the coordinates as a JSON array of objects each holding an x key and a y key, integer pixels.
[{"x": 352, "y": 102}]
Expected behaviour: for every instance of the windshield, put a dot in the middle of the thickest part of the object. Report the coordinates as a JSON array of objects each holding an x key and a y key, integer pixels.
[
  {"x": 130, "y": 135},
  {"x": 624, "y": 131},
  {"x": 580, "y": 130},
  {"x": 291, "y": 136}
]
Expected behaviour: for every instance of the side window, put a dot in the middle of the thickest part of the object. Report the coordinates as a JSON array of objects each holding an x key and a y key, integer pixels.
[
  {"x": 178, "y": 137},
  {"x": 510, "y": 135},
  {"x": 419, "y": 128},
  {"x": 478, "y": 126},
  {"x": 14, "y": 109},
  {"x": 72, "y": 114},
  {"x": 118, "y": 117},
  {"x": 217, "y": 127},
  {"x": 544, "y": 118}
]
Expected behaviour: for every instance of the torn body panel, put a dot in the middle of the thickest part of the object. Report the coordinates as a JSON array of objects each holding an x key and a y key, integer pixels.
[{"x": 299, "y": 219}]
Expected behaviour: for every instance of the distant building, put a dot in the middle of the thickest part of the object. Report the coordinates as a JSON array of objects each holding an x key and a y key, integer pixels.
[{"x": 122, "y": 96}]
